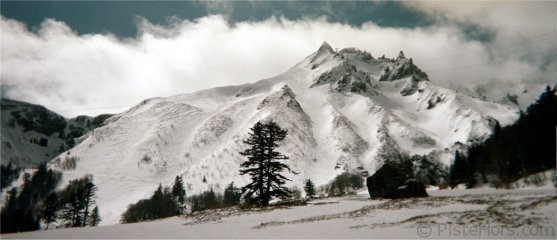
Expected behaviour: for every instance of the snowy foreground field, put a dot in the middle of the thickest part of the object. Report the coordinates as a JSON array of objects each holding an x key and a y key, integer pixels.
[{"x": 476, "y": 213}]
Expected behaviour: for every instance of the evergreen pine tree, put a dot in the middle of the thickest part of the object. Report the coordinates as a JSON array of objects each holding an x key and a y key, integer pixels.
[
  {"x": 254, "y": 166},
  {"x": 50, "y": 209},
  {"x": 76, "y": 206},
  {"x": 8, "y": 174},
  {"x": 517, "y": 150},
  {"x": 231, "y": 195},
  {"x": 89, "y": 194},
  {"x": 95, "y": 218},
  {"x": 179, "y": 193},
  {"x": 76, "y": 199},
  {"x": 67, "y": 213},
  {"x": 10, "y": 213},
  {"x": 156, "y": 199},
  {"x": 160, "y": 205},
  {"x": 24, "y": 210},
  {"x": 309, "y": 188},
  {"x": 459, "y": 171},
  {"x": 263, "y": 164}
]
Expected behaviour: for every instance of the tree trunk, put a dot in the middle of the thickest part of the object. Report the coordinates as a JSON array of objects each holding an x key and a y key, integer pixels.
[{"x": 87, "y": 201}]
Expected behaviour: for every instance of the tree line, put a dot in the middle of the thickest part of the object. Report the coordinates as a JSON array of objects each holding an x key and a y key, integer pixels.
[
  {"x": 8, "y": 173},
  {"x": 512, "y": 152},
  {"x": 212, "y": 200},
  {"x": 38, "y": 201},
  {"x": 165, "y": 202}
]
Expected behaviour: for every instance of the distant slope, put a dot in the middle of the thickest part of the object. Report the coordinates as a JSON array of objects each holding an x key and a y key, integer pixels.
[
  {"x": 526, "y": 147},
  {"x": 32, "y": 134},
  {"x": 343, "y": 111}
]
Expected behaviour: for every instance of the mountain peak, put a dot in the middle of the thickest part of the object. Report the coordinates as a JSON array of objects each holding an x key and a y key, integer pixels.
[
  {"x": 325, "y": 47},
  {"x": 283, "y": 97},
  {"x": 324, "y": 52},
  {"x": 287, "y": 90},
  {"x": 400, "y": 55}
]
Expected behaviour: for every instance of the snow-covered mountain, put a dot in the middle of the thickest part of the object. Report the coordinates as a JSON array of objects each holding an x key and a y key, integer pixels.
[
  {"x": 32, "y": 134},
  {"x": 343, "y": 110},
  {"x": 520, "y": 95}
]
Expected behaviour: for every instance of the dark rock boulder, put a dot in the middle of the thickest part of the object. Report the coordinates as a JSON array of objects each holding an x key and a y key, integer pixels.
[
  {"x": 395, "y": 180},
  {"x": 411, "y": 188}
]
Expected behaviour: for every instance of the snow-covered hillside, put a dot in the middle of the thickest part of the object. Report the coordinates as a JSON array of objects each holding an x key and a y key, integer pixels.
[
  {"x": 343, "y": 111},
  {"x": 32, "y": 134}
]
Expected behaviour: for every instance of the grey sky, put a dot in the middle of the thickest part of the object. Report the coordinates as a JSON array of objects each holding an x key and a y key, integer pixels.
[
  {"x": 96, "y": 57},
  {"x": 119, "y": 17}
]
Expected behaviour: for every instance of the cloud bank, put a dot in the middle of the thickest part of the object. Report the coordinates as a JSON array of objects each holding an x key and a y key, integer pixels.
[{"x": 97, "y": 73}]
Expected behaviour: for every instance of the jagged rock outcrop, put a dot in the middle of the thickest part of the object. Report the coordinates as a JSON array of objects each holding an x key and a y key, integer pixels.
[
  {"x": 403, "y": 68},
  {"x": 356, "y": 54},
  {"x": 346, "y": 78}
]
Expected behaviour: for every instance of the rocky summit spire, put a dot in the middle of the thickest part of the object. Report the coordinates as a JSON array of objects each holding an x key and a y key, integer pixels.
[
  {"x": 324, "y": 52},
  {"x": 400, "y": 55},
  {"x": 325, "y": 47}
]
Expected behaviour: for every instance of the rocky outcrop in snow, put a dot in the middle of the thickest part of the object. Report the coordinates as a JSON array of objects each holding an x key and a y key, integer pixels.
[
  {"x": 346, "y": 78},
  {"x": 403, "y": 68}
]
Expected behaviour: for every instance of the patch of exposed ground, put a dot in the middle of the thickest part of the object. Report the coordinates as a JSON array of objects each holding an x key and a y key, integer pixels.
[
  {"x": 215, "y": 215},
  {"x": 502, "y": 209}
]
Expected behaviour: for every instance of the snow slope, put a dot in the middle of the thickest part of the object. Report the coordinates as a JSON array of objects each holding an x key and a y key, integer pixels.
[
  {"x": 546, "y": 179},
  {"x": 470, "y": 214},
  {"x": 343, "y": 111}
]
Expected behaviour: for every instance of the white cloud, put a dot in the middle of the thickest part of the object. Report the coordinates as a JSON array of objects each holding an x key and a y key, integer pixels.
[
  {"x": 522, "y": 51},
  {"x": 55, "y": 67}
]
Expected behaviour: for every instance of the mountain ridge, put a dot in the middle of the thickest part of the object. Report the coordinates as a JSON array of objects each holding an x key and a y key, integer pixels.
[
  {"x": 349, "y": 121},
  {"x": 32, "y": 134}
]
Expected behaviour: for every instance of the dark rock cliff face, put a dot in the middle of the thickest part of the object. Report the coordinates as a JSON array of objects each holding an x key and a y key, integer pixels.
[
  {"x": 26, "y": 126},
  {"x": 32, "y": 117}
]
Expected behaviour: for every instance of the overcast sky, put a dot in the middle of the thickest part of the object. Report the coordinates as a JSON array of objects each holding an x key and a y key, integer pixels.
[{"x": 97, "y": 57}]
